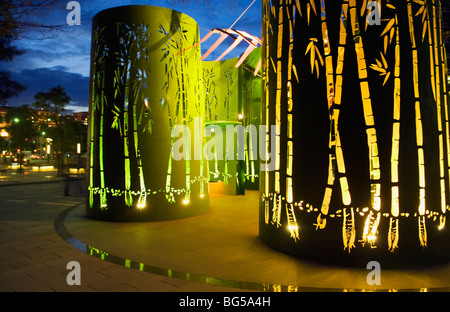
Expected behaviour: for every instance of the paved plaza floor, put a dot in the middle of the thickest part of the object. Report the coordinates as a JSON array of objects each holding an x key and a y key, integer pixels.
[{"x": 42, "y": 228}]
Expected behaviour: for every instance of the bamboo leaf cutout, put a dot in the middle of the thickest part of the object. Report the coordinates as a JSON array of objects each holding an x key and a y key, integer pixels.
[
  {"x": 379, "y": 69},
  {"x": 382, "y": 68},
  {"x": 314, "y": 51},
  {"x": 386, "y": 78},
  {"x": 378, "y": 63},
  {"x": 384, "y": 61},
  {"x": 363, "y": 7},
  {"x": 391, "y": 35},
  {"x": 390, "y": 6},
  {"x": 317, "y": 68},
  {"x": 388, "y": 27},
  {"x": 319, "y": 55},
  {"x": 386, "y": 42},
  {"x": 299, "y": 9},
  {"x": 424, "y": 31},
  {"x": 422, "y": 8},
  {"x": 308, "y": 11},
  {"x": 424, "y": 11},
  {"x": 310, "y": 45},
  {"x": 313, "y": 5}
]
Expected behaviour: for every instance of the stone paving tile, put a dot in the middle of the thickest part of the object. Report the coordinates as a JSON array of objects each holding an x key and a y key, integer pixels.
[
  {"x": 33, "y": 257},
  {"x": 123, "y": 288},
  {"x": 150, "y": 282}
]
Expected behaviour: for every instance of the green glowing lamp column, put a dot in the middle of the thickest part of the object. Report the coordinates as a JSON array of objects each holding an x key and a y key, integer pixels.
[
  {"x": 222, "y": 91},
  {"x": 142, "y": 87},
  {"x": 361, "y": 139}
]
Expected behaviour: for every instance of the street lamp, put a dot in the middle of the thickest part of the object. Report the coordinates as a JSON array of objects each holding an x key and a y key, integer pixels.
[
  {"x": 48, "y": 153},
  {"x": 79, "y": 155}
]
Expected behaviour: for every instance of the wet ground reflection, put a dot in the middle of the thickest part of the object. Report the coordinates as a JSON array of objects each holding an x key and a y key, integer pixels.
[{"x": 209, "y": 280}]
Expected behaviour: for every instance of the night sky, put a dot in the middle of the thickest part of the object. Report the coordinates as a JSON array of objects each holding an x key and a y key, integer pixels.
[{"x": 64, "y": 58}]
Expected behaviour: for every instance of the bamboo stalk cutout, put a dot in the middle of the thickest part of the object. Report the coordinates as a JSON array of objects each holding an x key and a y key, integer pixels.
[{"x": 372, "y": 221}]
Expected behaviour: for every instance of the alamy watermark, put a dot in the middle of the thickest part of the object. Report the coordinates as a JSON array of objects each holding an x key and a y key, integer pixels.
[
  {"x": 74, "y": 16},
  {"x": 374, "y": 276},
  {"x": 221, "y": 146},
  {"x": 74, "y": 276},
  {"x": 374, "y": 15}
]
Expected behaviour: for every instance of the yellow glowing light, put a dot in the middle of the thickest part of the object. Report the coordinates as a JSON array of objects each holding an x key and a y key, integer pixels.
[
  {"x": 141, "y": 205},
  {"x": 240, "y": 116},
  {"x": 46, "y": 168},
  {"x": 202, "y": 195},
  {"x": 292, "y": 228},
  {"x": 185, "y": 201},
  {"x": 441, "y": 223},
  {"x": 371, "y": 238}
]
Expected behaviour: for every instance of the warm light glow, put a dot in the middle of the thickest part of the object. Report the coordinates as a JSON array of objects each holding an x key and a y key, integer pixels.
[
  {"x": 441, "y": 223},
  {"x": 371, "y": 239},
  {"x": 141, "y": 205},
  {"x": 292, "y": 228},
  {"x": 46, "y": 168}
]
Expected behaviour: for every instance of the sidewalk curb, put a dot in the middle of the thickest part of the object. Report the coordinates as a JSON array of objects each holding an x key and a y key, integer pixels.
[{"x": 55, "y": 180}]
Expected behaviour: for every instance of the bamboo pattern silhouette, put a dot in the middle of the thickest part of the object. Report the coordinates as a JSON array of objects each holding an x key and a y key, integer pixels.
[
  {"x": 280, "y": 14},
  {"x": 175, "y": 63},
  {"x": 129, "y": 85},
  {"x": 98, "y": 106},
  {"x": 210, "y": 94},
  {"x": 134, "y": 64}
]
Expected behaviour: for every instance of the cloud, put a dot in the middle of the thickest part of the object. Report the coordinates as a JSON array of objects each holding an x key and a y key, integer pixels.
[
  {"x": 65, "y": 59},
  {"x": 76, "y": 108},
  {"x": 42, "y": 79},
  {"x": 71, "y": 47}
]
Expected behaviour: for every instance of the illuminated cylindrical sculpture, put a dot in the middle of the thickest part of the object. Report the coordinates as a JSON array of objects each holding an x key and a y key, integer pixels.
[
  {"x": 232, "y": 100},
  {"x": 143, "y": 91},
  {"x": 251, "y": 103},
  {"x": 222, "y": 84},
  {"x": 359, "y": 152}
]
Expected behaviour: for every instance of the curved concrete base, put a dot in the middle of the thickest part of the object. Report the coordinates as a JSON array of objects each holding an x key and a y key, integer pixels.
[{"x": 222, "y": 247}]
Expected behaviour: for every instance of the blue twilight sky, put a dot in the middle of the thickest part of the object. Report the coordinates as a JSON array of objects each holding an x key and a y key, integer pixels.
[{"x": 64, "y": 59}]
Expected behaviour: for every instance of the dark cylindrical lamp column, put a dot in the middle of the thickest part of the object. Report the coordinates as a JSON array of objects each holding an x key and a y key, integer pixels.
[
  {"x": 360, "y": 148},
  {"x": 142, "y": 88}
]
